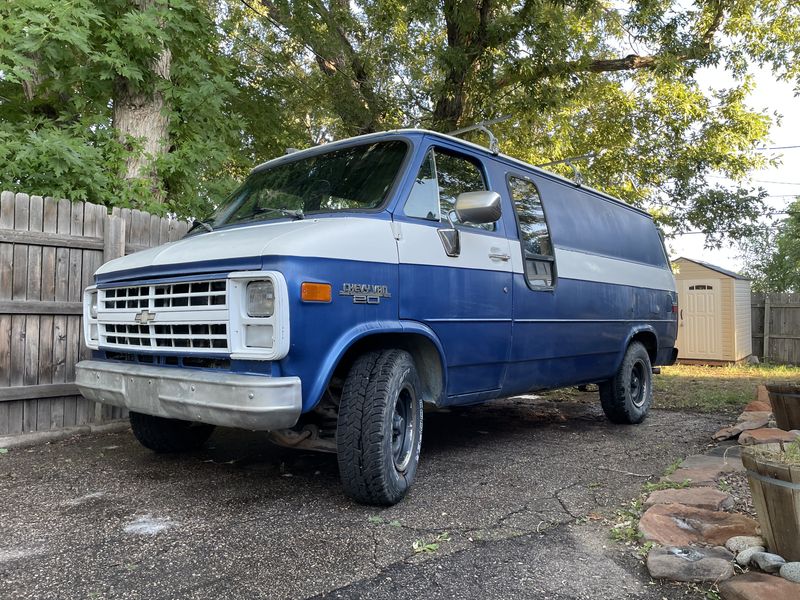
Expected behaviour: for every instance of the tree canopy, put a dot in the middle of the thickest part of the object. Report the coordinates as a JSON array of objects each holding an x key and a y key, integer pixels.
[
  {"x": 238, "y": 81},
  {"x": 772, "y": 254}
]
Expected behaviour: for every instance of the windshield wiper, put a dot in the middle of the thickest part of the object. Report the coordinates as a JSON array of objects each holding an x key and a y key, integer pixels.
[
  {"x": 286, "y": 212},
  {"x": 205, "y": 224}
]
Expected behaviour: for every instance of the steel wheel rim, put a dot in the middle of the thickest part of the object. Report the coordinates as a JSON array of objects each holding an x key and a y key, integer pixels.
[
  {"x": 403, "y": 419},
  {"x": 638, "y": 384}
]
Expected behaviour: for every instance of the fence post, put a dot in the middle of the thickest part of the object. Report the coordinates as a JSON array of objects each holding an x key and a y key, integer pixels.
[
  {"x": 114, "y": 246},
  {"x": 766, "y": 327}
]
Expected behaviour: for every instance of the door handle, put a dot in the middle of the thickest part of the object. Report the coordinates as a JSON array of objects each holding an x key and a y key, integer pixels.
[{"x": 499, "y": 256}]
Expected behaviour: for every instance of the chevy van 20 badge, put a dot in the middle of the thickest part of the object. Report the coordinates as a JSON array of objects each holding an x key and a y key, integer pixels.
[{"x": 342, "y": 287}]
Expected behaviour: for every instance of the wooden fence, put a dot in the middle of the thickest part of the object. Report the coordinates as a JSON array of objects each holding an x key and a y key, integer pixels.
[
  {"x": 49, "y": 250},
  {"x": 776, "y": 327}
]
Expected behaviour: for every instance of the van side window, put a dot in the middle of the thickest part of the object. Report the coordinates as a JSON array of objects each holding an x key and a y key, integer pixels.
[
  {"x": 537, "y": 249},
  {"x": 441, "y": 178}
]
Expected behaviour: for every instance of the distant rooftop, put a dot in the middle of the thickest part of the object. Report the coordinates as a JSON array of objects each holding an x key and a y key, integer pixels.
[{"x": 714, "y": 268}]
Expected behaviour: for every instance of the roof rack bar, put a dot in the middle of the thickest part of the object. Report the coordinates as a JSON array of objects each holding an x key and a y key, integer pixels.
[
  {"x": 494, "y": 146},
  {"x": 576, "y": 174}
]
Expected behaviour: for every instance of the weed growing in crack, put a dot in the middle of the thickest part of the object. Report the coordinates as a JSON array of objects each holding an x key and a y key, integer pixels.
[
  {"x": 626, "y": 527},
  {"x": 644, "y": 550},
  {"x": 673, "y": 467},
  {"x": 423, "y": 547}
]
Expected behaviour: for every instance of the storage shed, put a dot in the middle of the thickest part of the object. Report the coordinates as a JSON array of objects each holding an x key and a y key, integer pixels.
[{"x": 714, "y": 317}]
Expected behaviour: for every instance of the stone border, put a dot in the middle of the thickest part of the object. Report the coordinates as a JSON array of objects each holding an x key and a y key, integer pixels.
[{"x": 688, "y": 524}]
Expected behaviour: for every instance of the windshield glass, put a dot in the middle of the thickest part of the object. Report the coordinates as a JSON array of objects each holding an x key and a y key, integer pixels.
[{"x": 358, "y": 177}]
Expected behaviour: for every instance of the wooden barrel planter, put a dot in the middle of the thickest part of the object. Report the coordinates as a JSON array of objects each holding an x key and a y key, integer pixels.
[
  {"x": 774, "y": 474},
  {"x": 785, "y": 400}
]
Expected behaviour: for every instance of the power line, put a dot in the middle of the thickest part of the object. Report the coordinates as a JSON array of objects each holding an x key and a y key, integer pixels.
[
  {"x": 758, "y": 180},
  {"x": 778, "y": 148}
]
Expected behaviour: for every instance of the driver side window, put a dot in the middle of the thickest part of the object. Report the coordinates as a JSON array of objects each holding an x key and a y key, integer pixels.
[{"x": 441, "y": 178}]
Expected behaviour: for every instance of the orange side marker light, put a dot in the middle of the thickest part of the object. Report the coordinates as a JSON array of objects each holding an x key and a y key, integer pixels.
[{"x": 315, "y": 292}]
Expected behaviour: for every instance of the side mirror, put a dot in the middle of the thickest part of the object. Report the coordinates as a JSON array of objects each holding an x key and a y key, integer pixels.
[
  {"x": 451, "y": 240},
  {"x": 478, "y": 207}
]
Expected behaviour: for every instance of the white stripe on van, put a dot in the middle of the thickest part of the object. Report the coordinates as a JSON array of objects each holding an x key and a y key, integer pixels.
[{"x": 573, "y": 264}]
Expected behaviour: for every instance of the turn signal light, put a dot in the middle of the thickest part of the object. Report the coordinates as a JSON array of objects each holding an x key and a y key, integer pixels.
[{"x": 315, "y": 292}]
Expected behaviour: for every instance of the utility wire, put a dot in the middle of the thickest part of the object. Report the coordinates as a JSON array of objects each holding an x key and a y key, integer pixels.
[
  {"x": 758, "y": 180},
  {"x": 778, "y": 148}
]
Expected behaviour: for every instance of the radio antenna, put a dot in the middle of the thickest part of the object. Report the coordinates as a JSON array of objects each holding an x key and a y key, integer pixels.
[{"x": 483, "y": 127}]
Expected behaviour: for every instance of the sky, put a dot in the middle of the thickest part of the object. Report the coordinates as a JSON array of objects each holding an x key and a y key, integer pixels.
[{"x": 770, "y": 96}]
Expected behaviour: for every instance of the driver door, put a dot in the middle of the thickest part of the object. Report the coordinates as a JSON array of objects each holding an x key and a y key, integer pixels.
[{"x": 465, "y": 299}]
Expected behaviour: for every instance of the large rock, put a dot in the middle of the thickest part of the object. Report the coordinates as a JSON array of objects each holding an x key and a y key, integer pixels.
[
  {"x": 758, "y": 586},
  {"x": 755, "y": 416},
  {"x": 690, "y": 564},
  {"x": 747, "y": 421},
  {"x": 762, "y": 395},
  {"x": 731, "y": 462},
  {"x": 743, "y": 557},
  {"x": 767, "y": 435},
  {"x": 680, "y": 525},
  {"x": 791, "y": 571},
  {"x": 758, "y": 406},
  {"x": 738, "y": 543},
  {"x": 701, "y": 476},
  {"x": 699, "y": 497},
  {"x": 767, "y": 562}
]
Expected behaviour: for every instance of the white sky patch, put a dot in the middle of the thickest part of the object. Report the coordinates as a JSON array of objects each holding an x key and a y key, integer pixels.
[
  {"x": 769, "y": 96},
  {"x": 148, "y": 525}
]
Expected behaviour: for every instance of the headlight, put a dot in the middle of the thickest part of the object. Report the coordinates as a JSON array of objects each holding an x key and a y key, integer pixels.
[
  {"x": 260, "y": 298},
  {"x": 93, "y": 305}
]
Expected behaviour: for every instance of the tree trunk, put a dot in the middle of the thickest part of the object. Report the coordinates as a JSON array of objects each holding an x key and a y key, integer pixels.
[{"x": 141, "y": 113}]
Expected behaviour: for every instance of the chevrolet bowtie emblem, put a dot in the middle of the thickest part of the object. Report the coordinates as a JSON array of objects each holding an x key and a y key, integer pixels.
[{"x": 144, "y": 317}]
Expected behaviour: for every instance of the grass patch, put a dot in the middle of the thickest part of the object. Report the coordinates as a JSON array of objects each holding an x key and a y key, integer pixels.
[
  {"x": 626, "y": 526},
  {"x": 715, "y": 389}
]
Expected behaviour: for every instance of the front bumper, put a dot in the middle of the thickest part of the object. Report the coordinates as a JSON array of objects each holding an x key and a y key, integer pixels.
[{"x": 252, "y": 402}]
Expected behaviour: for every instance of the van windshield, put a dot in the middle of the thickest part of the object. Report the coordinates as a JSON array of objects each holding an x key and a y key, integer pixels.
[{"x": 352, "y": 178}]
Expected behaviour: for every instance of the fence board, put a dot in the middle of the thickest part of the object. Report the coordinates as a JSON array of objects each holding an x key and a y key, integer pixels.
[
  {"x": 49, "y": 251},
  {"x": 776, "y": 327}
]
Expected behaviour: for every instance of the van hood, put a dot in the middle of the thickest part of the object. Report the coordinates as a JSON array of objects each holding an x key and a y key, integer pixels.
[{"x": 348, "y": 238}]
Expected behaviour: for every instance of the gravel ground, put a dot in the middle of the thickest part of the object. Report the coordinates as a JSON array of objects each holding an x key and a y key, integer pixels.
[
  {"x": 737, "y": 486},
  {"x": 503, "y": 490}
]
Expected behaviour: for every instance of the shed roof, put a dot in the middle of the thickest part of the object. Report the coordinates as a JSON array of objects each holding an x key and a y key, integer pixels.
[{"x": 715, "y": 268}]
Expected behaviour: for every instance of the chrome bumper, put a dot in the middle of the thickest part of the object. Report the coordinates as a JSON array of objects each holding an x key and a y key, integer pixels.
[{"x": 254, "y": 402}]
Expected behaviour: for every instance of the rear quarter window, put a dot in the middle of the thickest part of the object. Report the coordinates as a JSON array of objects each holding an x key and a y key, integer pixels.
[{"x": 581, "y": 220}]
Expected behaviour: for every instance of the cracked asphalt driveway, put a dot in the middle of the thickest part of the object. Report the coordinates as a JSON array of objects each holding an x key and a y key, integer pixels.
[{"x": 501, "y": 489}]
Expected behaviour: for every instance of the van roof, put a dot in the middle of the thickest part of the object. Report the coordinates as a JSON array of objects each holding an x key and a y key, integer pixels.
[{"x": 472, "y": 146}]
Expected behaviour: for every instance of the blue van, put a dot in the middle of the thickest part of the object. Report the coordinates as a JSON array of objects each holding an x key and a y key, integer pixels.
[{"x": 342, "y": 287}]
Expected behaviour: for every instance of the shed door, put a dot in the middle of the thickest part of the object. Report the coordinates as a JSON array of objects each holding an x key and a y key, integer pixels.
[{"x": 700, "y": 331}]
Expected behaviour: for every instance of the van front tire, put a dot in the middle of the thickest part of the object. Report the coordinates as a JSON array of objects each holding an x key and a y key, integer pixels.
[
  {"x": 379, "y": 428},
  {"x": 627, "y": 396},
  {"x": 168, "y": 435}
]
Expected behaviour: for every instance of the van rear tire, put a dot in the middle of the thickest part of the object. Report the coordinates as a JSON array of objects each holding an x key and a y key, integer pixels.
[
  {"x": 379, "y": 428},
  {"x": 626, "y": 397},
  {"x": 168, "y": 435}
]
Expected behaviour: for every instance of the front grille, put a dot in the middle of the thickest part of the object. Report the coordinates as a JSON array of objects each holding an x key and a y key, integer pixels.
[
  {"x": 185, "y": 316},
  {"x": 166, "y": 295},
  {"x": 168, "y": 336}
]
